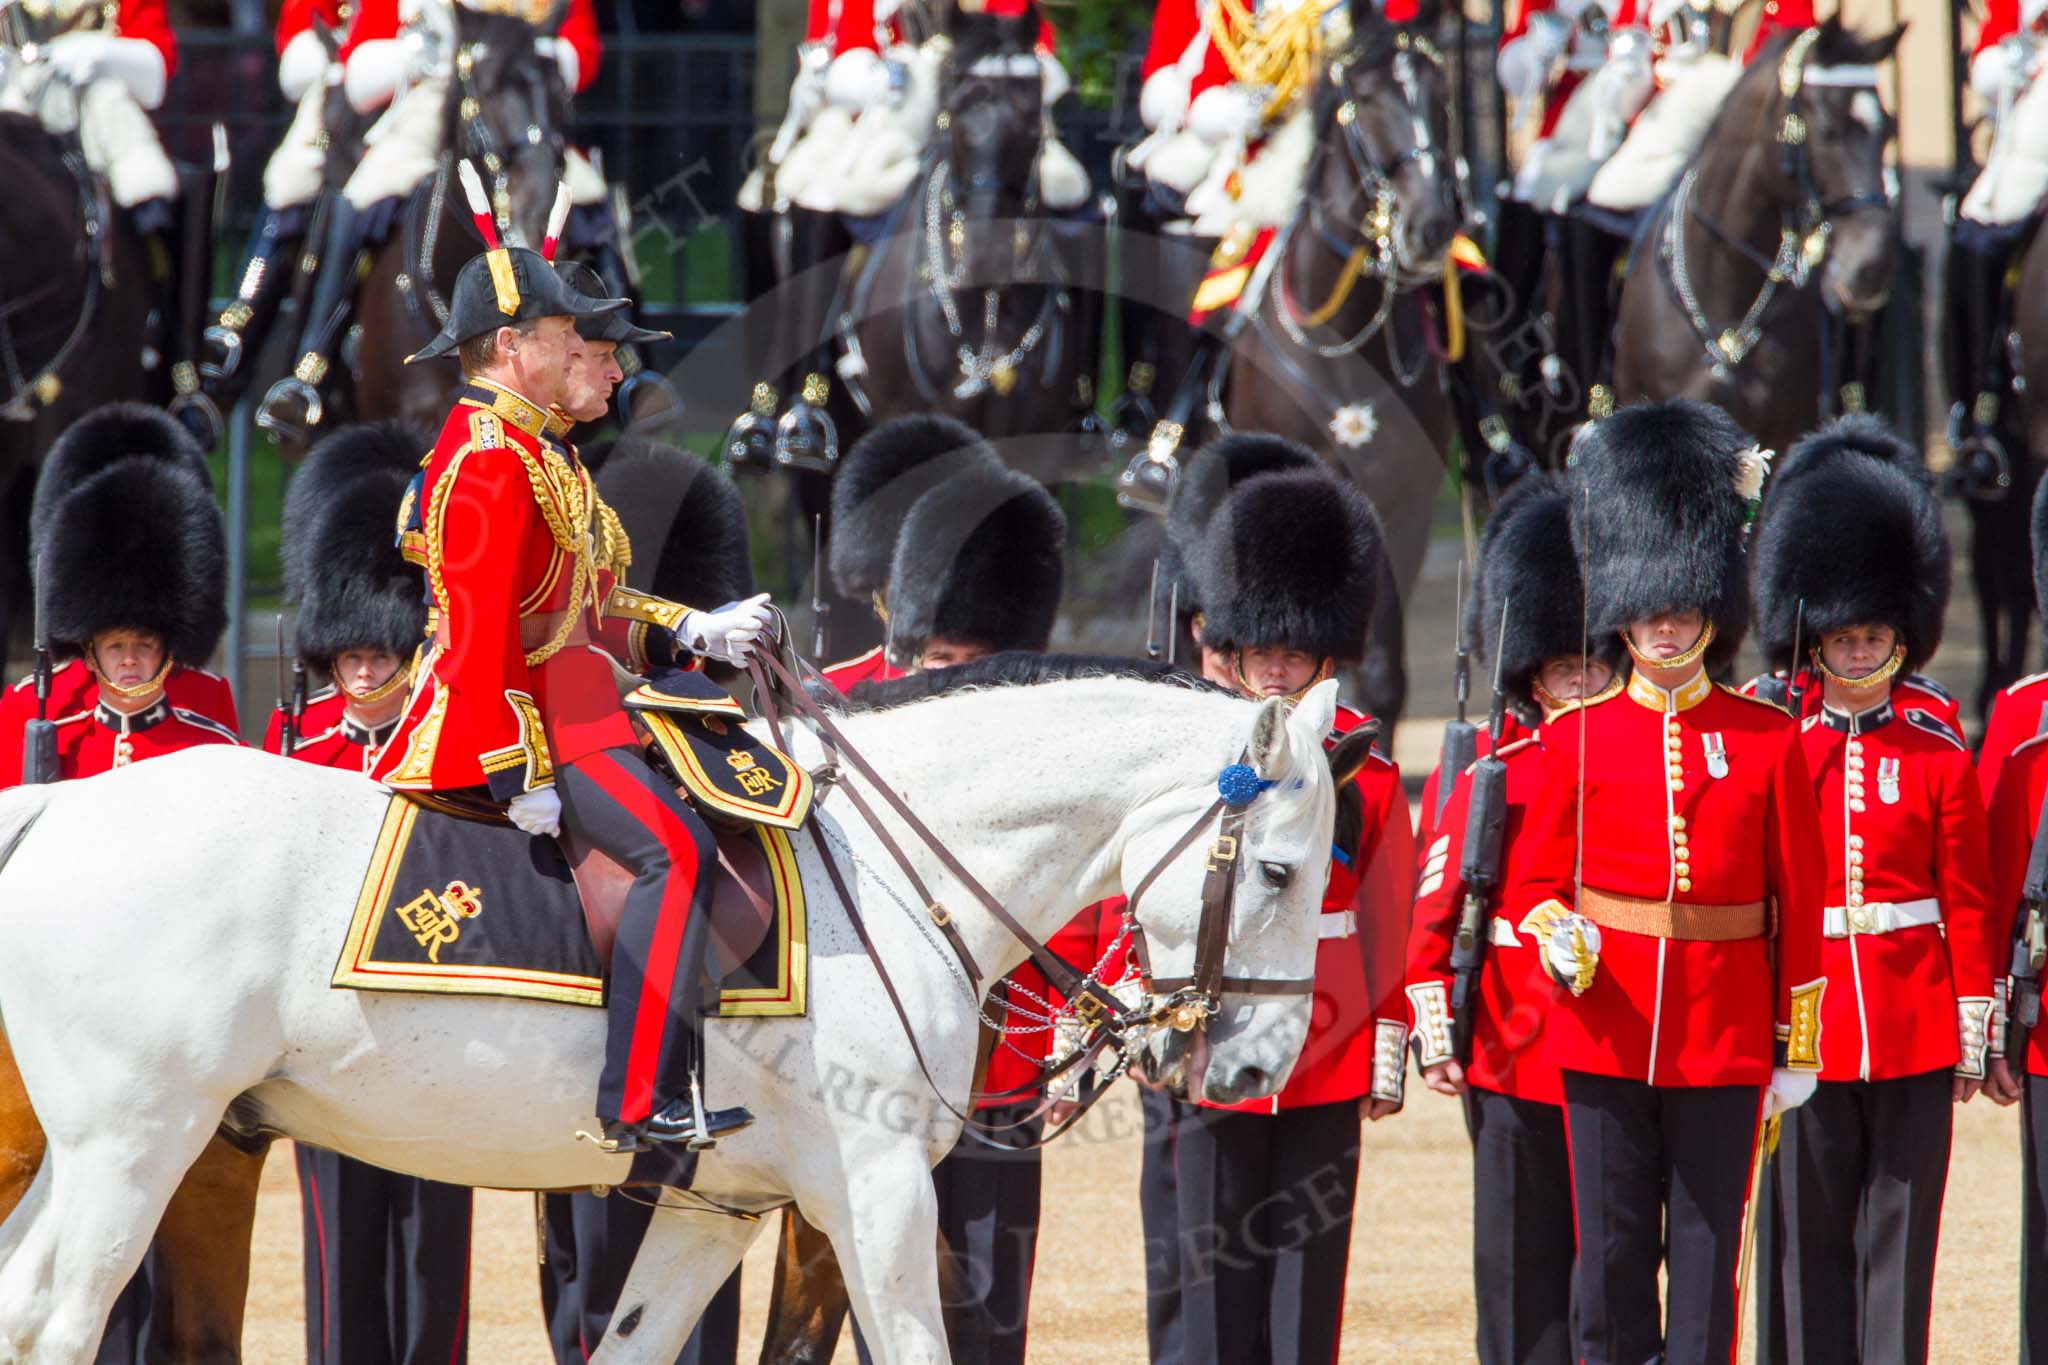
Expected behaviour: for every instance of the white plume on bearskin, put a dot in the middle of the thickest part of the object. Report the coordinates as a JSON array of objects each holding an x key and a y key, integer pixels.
[
  {"x": 340, "y": 556},
  {"x": 1658, "y": 520},
  {"x": 877, "y": 482},
  {"x": 138, "y": 544},
  {"x": 684, "y": 519},
  {"x": 1852, "y": 530},
  {"x": 981, "y": 559},
  {"x": 1290, "y": 560},
  {"x": 1528, "y": 566}
]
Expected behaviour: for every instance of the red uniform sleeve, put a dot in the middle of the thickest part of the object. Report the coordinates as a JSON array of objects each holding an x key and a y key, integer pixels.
[
  {"x": 1963, "y": 870},
  {"x": 856, "y": 26},
  {"x": 1385, "y": 900},
  {"x": 374, "y": 20},
  {"x": 2001, "y": 21},
  {"x": 17, "y": 708},
  {"x": 1174, "y": 25},
  {"x": 1780, "y": 16},
  {"x": 1796, "y": 868},
  {"x": 1439, "y": 893},
  {"x": 579, "y": 31},
  {"x": 489, "y": 514},
  {"x": 150, "y": 21},
  {"x": 2012, "y": 820},
  {"x": 1550, "y": 833},
  {"x": 273, "y": 733},
  {"x": 297, "y": 17},
  {"x": 818, "y": 20},
  {"x": 2015, "y": 718}
]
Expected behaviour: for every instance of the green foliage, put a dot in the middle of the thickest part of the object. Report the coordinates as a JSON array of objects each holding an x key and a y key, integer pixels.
[{"x": 1093, "y": 34}]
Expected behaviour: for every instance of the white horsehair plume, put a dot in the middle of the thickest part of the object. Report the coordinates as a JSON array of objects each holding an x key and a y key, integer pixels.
[
  {"x": 479, "y": 203},
  {"x": 558, "y": 217}
]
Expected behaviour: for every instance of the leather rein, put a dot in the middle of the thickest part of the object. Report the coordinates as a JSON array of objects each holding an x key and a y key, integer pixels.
[{"x": 1181, "y": 1003}]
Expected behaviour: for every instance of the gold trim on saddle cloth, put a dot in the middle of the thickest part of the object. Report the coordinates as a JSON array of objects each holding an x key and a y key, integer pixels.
[
  {"x": 789, "y": 996},
  {"x": 726, "y": 772}
]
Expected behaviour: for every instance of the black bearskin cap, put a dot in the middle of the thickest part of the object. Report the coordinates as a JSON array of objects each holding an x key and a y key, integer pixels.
[
  {"x": 341, "y": 559},
  {"x": 1860, "y": 540},
  {"x": 980, "y": 559},
  {"x": 878, "y": 480},
  {"x": 1527, "y": 564},
  {"x": 1211, "y": 474},
  {"x": 2041, "y": 547},
  {"x": 106, "y": 436},
  {"x": 138, "y": 544},
  {"x": 684, "y": 519},
  {"x": 1290, "y": 560},
  {"x": 1659, "y": 521}
]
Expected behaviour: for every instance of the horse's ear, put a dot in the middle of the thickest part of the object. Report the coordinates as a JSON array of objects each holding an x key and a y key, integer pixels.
[
  {"x": 1882, "y": 49},
  {"x": 1349, "y": 754},
  {"x": 1267, "y": 750}
]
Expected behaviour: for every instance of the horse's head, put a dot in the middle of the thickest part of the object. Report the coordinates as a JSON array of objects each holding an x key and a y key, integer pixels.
[
  {"x": 507, "y": 108},
  {"x": 991, "y": 121},
  {"x": 1831, "y": 129},
  {"x": 1241, "y": 910},
  {"x": 1387, "y": 158}
]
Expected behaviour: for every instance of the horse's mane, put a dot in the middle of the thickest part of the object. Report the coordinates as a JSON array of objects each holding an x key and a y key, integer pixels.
[
  {"x": 1020, "y": 668},
  {"x": 1372, "y": 48},
  {"x": 1836, "y": 46},
  {"x": 503, "y": 38}
]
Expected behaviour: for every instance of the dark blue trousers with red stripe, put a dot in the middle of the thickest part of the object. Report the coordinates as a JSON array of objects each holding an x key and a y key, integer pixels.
[{"x": 615, "y": 803}]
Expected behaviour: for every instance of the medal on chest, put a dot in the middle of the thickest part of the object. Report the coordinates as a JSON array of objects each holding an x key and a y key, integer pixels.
[
  {"x": 1888, "y": 781},
  {"x": 1716, "y": 750}
]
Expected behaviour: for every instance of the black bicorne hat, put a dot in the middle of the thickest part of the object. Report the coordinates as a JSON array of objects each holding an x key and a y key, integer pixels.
[
  {"x": 340, "y": 551},
  {"x": 614, "y": 325},
  {"x": 1211, "y": 473},
  {"x": 880, "y": 479},
  {"x": 1290, "y": 561},
  {"x": 684, "y": 519},
  {"x": 106, "y": 436},
  {"x": 503, "y": 286},
  {"x": 139, "y": 544},
  {"x": 1858, "y": 539},
  {"x": 981, "y": 559},
  {"x": 1528, "y": 566},
  {"x": 1660, "y": 501}
]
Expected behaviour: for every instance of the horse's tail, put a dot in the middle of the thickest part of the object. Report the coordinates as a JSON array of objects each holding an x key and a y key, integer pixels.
[{"x": 19, "y": 808}]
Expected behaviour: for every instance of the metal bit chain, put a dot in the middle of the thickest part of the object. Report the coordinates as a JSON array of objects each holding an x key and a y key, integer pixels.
[
  {"x": 981, "y": 369},
  {"x": 1727, "y": 350}
]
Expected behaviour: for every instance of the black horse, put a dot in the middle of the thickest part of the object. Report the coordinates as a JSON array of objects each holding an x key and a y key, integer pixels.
[
  {"x": 1781, "y": 226},
  {"x": 76, "y": 300},
  {"x": 1344, "y": 347}
]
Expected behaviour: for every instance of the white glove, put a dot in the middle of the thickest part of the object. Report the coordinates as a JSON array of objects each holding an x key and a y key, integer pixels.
[
  {"x": 1163, "y": 99},
  {"x": 1053, "y": 80},
  {"x": 1572, "y": 952},
  {"x": 1524, "y": 64},
  {"x": 1999, "y": 71},
  {"x": 1788, "y": 1090},
  {"x": 1225, "y": 112},
  {"x": 538, "y": 812},
  {"x": 80, "y": 58},
  {"x": 374, "y": 72},
  {"x": 857, "y": 79},
  {"x": 304, "y": 63},
  {"x": 564, "y": 57},
  {"x": 728, "y": 633}
]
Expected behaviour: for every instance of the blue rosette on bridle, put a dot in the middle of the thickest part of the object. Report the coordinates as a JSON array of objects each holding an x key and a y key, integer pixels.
[{"x": 1239, "y": 786}]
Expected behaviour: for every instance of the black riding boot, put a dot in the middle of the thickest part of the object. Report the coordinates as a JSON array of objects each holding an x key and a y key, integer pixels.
[
  {"x": 1146, "y": 483},
  {"x": 191, "y": 289},
  {"x": 264, "y": 283},
  {"x": 750, "y": 440},
  {"x": 294, "y": 406},
  {"x": 806, "y": 437},
  {"x": 1979, "y": 314},
  {"x": 1586, "y": 324}
]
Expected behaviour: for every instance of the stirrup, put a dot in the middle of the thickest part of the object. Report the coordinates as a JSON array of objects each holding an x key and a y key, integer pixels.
[
  {"x": 1131, "y": 419},
  {"x": 750, "y": 440},
  {"x": 1982, "y": 471},
  {"x": 668, "y": 405},
  {"x": 200, "y": 416},
  {"x": 220, "y": 352},
  {"x": 1146, "y": 483},
  {"x": 276, "y": 413}
]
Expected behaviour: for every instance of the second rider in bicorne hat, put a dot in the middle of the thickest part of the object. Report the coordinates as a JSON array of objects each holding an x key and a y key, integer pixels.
[{"x": 513, "y": 699}]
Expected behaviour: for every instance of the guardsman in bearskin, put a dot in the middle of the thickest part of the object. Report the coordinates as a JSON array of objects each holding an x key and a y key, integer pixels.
[
  {"x": 1525, "y": 618},
  {"x": 104, "y": 437},
  {"x": 386, "y": 1255},
  {"x": 1700, "y": 843},
  {"x": 2020, "y": 712},
  {"x": 132, "y": 559},
  {"x": 1284, "y": 575},
  {"x": 873, "y": 490},
  {"x": 687, "y": 526},
  {"x": 513, "y": 700},
  {"x": 1852, "y": 566}
]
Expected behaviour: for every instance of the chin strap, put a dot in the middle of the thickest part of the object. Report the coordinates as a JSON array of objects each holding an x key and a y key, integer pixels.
[
  {"x": 1699, "y": 647},
  {"x": 1883, "y": 673}
]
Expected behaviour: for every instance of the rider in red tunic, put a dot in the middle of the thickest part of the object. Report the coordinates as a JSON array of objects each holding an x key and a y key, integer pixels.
[
  {"x": 1514, "y": 1101},
  {"x": 2019, "y": 712},
  {"x": 517, "y": 696},
  {"x": 1282, "y": 576}
]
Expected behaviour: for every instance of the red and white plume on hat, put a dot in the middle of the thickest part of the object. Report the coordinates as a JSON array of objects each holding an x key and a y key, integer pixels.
[
  {"x": 479, "y": 204},
  {"x": 558, "y": 216}
]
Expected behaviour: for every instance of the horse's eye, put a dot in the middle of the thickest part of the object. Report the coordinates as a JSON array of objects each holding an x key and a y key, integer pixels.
[{"x": 1276, "y": 875}]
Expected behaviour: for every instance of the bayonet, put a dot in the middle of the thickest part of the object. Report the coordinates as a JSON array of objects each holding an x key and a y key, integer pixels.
[
  {"x": 1479, "y": 858},
  {"x": 1460, "y": 742},
  {"x": 1795, "y": 695},
  {"x": 1155, "y": 648},
  {"x": 821, "y": 610},
  {"x": 39, "y": 736}
]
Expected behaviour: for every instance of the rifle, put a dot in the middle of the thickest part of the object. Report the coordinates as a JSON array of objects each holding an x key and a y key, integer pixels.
[
  {"x": 1795, "y": 695},
  {"x": 1486, "y": 814},
  {"x": 290, "y": 704},
  {"x": 821, "y": 610},
  {"x": 1155, "y": 648},
  {"x": 39, "y": 736},
  {"x": 2029, "y": 945},
  {"x": 1461, "y": 741}
]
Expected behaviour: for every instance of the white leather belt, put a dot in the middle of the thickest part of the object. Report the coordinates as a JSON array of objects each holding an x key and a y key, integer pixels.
[
  {"x": 1879, "y": 917},
  {"x": 1504, "y": 933},
  {"x": 1337, "y": 924}
]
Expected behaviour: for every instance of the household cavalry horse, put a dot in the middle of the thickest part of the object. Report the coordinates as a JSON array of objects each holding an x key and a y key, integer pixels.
[{"x": 145, "y": 1014}]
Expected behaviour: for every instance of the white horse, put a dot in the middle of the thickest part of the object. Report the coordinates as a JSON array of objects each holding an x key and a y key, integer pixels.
[{"x": 170, "y": 929}]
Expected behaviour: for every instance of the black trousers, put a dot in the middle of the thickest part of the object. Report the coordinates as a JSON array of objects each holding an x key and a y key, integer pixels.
[
  {"x": 613, "y": 801},
  {"x": 1521, "y": 1229},
  {"x": 1265, "y": 1211},
  {"x": 2033, "y": 1220},
  {"x": 589, "y": 1244},
  {"x": 387, "y": 1264},
  {"x": 1660, "y": 1176},
  {"x": 988, "y": 1213},
  {"x": 1861, "y": 1169},
  {"x": 1159, "y": 1211}
]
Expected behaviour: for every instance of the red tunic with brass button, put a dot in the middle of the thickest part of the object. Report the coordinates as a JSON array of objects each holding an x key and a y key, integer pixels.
[
  {"x": 1358, "y": 1032},
  {"x": 92, "y": 741},
  {"x": 1913, "y": 692},
  {"x": 328, "y": 737},
  {"x": 1699, "y": 799},
  {"x": 1514, "y": 990},
  {"x": 1425, "y": 823},
  {"x": 375, "y": 20},
  {"x": 2015, "y": 809},
  {"x": 873, "y": 666},
  {"x": 1907, "y": 846},
  {"x": 2016, "y": 717},
  {"x": 1018, "y": 1062},
  {"x": 520, "y": 555},
  {"x": 73, "y": 689}
]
